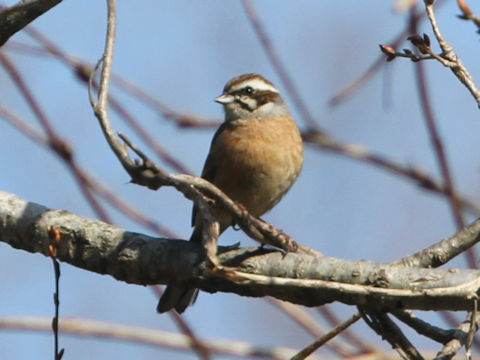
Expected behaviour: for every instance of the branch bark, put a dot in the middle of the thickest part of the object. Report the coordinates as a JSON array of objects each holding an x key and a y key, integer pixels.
[
  {"x": 300, "y": 278},
  {"x": 16, "y": 17}
]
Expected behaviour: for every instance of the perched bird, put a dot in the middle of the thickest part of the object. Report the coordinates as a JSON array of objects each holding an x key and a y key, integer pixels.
[{"x": 255, "y": 157}]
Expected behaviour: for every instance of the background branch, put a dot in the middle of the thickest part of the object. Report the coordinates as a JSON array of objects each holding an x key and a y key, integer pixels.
[{"x": 153, "y": 337}]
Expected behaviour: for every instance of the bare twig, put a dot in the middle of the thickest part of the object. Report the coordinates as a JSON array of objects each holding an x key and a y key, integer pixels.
[
  {"x": 305, "y": 320},
  {"x": 54, "y": 142},
  {"x": 388, "y": 330},
  {"x": 453, "y": 346},
  {"x": 83, "y": 69},
  {"x": 18, "y": 16},
  {"x": 27, "y": 94},
  {"x": 323, "y": 141},
  {"x": 467, "y": 14},
  {"x": 161, "y": 152},
  {"x": 94, "y": 184},
  {"x": 445, "y": 250},
  {"x": 181, "y": 119},
  {"x": 200, "y": 347},
  {"x": 357, "y": 83},
  {"x": 451, "y": 59},
  {"x": 151, "y": 175},
  {"x": 472, "y": 330},
  {"x": 355, "y": 340},
  {"x": 439, "y": 150},
  {"x": 361, "y": 153},
  {"x": 327, "y": 337},
  {"x": 278, "y": 65},
  {"x": 139, "y": 335},
  {"x": 448, "y": 57},
  {"x": 55, "y": 237},
  {"x": 426, "y": 329}
]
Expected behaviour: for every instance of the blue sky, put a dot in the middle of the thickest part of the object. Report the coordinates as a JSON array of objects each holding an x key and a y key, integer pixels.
[{"x": 183, "y": 52}]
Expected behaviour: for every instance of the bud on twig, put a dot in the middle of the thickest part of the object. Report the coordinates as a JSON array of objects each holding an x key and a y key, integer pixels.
[
  {"x": 389, "y": 51},
  {"x": 422, "y": 44}
]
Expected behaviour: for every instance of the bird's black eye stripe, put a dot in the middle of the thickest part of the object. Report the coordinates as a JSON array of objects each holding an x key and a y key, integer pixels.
[{"x": 248, "y": 90}]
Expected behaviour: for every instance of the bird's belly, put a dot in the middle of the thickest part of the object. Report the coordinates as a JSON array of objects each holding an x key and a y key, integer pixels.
[{"x": 257, "y": 185}]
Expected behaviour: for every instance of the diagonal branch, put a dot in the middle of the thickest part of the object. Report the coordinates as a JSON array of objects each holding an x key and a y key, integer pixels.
[
  {"x": 445, "y": 250},
  {"x": 449, "y": 58},
  {"x": 18, "y": 16},
  {"x": 388, "y": 330}
]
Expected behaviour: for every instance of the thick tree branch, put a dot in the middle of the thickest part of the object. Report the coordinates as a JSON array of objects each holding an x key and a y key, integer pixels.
[
  {"x": 295, "y": 277},
  {"x": 16, "y": 17}
]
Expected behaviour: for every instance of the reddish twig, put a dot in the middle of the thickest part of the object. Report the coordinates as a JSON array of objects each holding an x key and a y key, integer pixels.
[
  {"x": 201, "y": 348},
  {"x": 55, "y": 143},
  {"x": 302, "y": 318},
  {"x": 356, "y": 341},
  {"x": 94, "y": 184},
  {"x": 278, "y": 65},
  {"x": 327, "y": 337},
  {"x": 467, "y": 14}
]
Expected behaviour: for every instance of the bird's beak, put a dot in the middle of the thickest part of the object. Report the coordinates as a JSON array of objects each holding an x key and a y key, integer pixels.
[{"x": 225, "y": 99}]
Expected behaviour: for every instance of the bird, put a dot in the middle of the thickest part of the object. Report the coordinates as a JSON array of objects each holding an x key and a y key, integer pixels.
[{"x": 255, "y": 157}]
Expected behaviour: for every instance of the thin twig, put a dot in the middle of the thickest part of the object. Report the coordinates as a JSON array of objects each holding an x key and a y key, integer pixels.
[
  {"x": 83, "y": 69},
  {"x": 361, "y": 344},
  {"x": 388, "y": 330},
  {"x": 472, "y": 330},
  {"x": 467, "y": 14},
  {"x": 361, "y": 153},
  {"x": 454, "y": 62},
  {"x": 161, "y": 152},
  {"x": 281, "y": 70},
  {"x": 426, "y": 329},
  {"x": 54, "y": 142},
  {"x": 27, "y": 94},
  {"x": 437, "y": 143},
  {"x": 453, "y": 346},
  {"x": 439, "y": 148},
  {"x": 151, "y": 175},
  {"x": 347, "y": 91},
  {"x": 443, "y": 251},
  {"x": 305, "y": 320},
  {"x": 94, "y": 184},
  {"x": 324, "y": 339},
  {"x": 100, "y": 107},
  {"x": 140, "y": 335},
  {"x": 325, "y": 142},
  {"x": 200, "y": 347},
  {"x": 55, "y": 238}
]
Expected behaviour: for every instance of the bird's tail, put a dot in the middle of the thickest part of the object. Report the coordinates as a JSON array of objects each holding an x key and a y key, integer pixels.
[{"x": 179, "y": 297}]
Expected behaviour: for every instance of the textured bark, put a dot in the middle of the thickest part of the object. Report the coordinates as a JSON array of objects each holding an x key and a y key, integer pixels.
[{"x": 298, "y": 278}]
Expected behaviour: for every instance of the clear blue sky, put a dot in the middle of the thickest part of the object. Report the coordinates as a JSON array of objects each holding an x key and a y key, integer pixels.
[{"x": 183, "y": 52}]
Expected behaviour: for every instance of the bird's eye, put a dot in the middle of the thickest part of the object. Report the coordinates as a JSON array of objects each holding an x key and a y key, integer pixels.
[{"x": 248, "y": 90}]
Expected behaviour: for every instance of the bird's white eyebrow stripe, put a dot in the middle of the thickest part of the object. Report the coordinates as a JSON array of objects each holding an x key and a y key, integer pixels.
[{"x": 256, "y": 84}]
